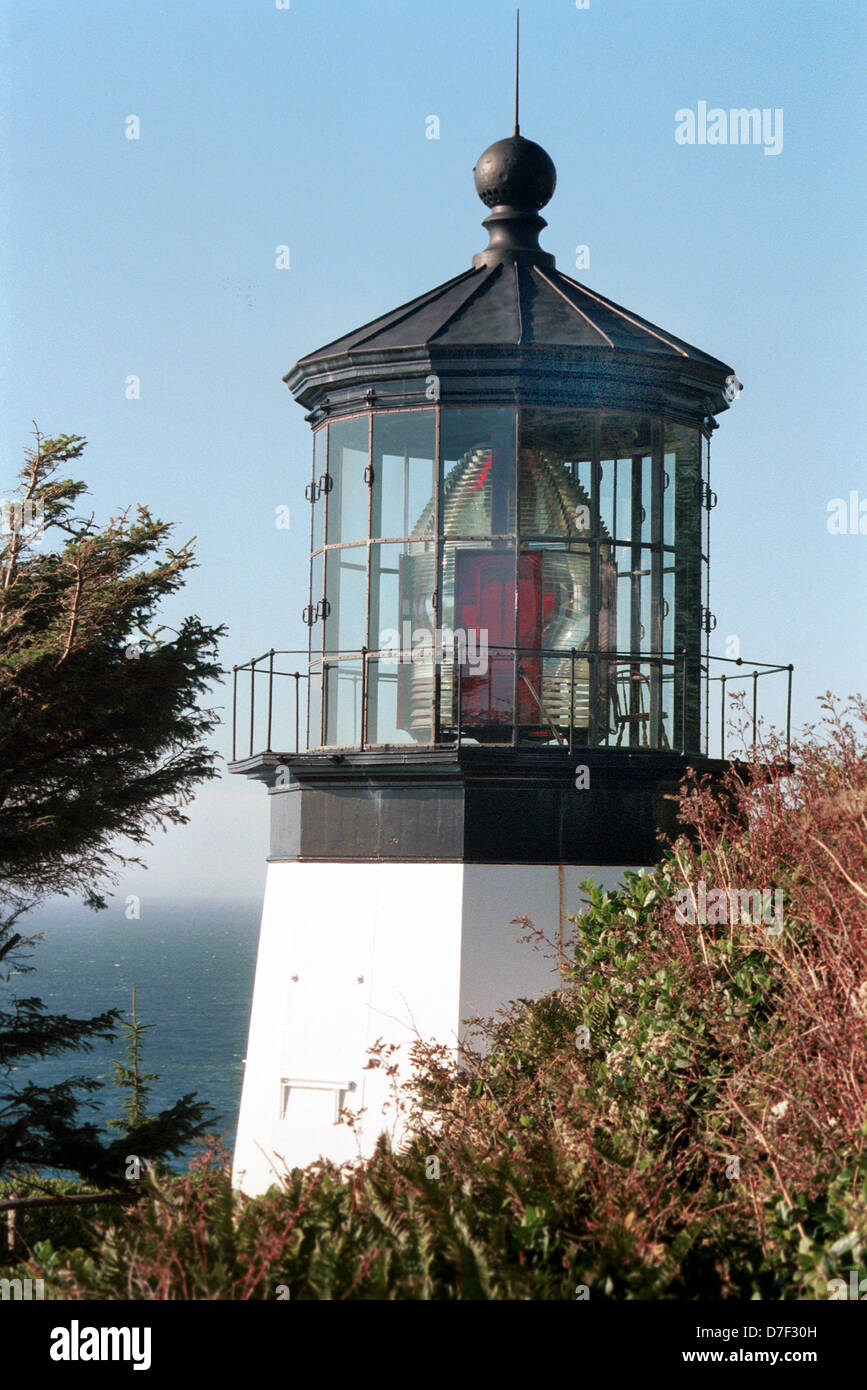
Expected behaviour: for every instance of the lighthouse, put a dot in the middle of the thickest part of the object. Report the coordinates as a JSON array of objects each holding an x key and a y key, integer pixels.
[{"x": 507, "y": 671}]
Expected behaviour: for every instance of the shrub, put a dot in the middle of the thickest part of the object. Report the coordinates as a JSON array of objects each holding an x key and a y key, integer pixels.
[{"x": 683, "y": 1118}]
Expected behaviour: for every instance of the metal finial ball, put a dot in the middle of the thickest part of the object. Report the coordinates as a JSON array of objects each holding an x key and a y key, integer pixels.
[{"x": 515, "y": 172}]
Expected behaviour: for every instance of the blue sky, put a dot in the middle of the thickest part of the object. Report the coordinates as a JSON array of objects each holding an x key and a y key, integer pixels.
[{"x": 306, "y": 127}]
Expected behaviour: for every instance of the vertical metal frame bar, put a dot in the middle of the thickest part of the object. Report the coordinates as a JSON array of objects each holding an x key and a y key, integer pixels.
[
  {"x": 706, "y": 446},
  {"x": 636, "y": 564},
  {"x": 323, "y": 687},
  {"x": 571, "y": 700},
  {"x": 439, "y": 572},
  {"x": 370, "y": 487},
  {"x": 325, "y": 694},
  {"x": 516, "y": 659},
  {"x": 657, "y": 489},
  {"x": 252, "y": 702},
  {"x": 235, "y": 709},
  {"x": 789, "y": 715},
  {"x": 595, "y": 579},
  {"x": 270, "y": 698},
  {"x": 366, "y": 642},
  {"x": 324, "y": 431}
]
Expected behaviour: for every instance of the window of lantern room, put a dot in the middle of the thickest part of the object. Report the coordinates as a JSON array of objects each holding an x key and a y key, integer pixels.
[
  {"x": 478, "y": 503},
  {"x": 561, "y": 618},
  {"x": 403, "y": 551},
  {"x": 316, "y": 495},
  {"x": 345, "y": 599},
  {"x": 631, "y": 505},
  {"x": 608, "y": 514}
]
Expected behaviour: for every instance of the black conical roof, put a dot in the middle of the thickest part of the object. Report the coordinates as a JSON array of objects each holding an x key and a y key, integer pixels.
[
  {"x": 512, "y": 305},
  {"x": 512, "y": 327}
]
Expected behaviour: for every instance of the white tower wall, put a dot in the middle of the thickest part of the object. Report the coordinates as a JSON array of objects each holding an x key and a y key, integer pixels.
[{"x": 353, "y": 952}]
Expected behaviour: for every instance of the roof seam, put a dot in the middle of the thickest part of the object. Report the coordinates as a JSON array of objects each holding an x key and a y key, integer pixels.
[
  {"x": 404, "y": 311},
  {"x": 600, "y": 299},
  {"x": 520, "y": 316},
  {"x": 565, "y": 297},
  {"x": 464, "y": 304}
]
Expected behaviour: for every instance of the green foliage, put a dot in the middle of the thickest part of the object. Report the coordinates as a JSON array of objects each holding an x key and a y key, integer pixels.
[
  {"x": 133, "y": 1083},
  {"x": 57, "y": 1227},
  {"x": 100, "y": 730},
  {"x": 683, "y": 1118},
  {"x": 101, "y": 737}
]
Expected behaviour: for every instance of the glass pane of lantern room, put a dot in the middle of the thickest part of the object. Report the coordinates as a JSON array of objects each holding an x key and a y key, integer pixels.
[
  {"x": 626, "y": 458},
  {"x": 343, "y": 704},
  {"x": 555, "y": 472},
  {"x": 314, "y": 710},
  {"x": 346, "y": 599},
  {"x": 480, "y": 616},
  {"x": 478, "y": 471},
  {"x": 317, "y": 601},
  {"x": 576, "y": 599},
  {"x": 402, "y": 624},
  {"x": 402, "y": 491},
  {"x": 349, "y": 497},
  {"x": 319, "y": 495},
  {"x": 634, "y": 610},
  {"x": 639, "y": 713},
  {"x": 554, "y": 621},
  {"x": 477, "y": 589}
]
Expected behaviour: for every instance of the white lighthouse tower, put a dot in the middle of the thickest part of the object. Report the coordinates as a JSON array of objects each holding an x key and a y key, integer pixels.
[{"x": 507, "y": 665}]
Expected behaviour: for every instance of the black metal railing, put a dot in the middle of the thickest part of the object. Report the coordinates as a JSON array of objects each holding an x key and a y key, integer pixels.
[
  {"x": 257, "y": 700},
  {"x": 592, "y": 699}
]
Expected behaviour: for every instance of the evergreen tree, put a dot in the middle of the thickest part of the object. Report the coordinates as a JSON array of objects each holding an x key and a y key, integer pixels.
[
  {"x": 101, "y": 739},
  {"x": 129, "y": 1078}
]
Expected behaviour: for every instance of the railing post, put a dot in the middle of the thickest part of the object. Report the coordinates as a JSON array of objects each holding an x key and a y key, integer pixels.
[
  {"x": 789, "y": 716},
  {"x": 722, "y": 717},
  {"x": 252, "y": 700},
  {"x": 571, "y": 700},
  {"x": 683, "y": 705},
  {"x": 234, "y": 709},
  {"x": 755, "y": 703},
  {"x": 363, "y": 697},
  {"x": 297, "y": 675},
  {"x": 270, "y": 697}
]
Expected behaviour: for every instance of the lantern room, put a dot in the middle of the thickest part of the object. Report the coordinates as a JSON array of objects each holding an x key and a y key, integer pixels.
[{"x": 509, "y": 508}]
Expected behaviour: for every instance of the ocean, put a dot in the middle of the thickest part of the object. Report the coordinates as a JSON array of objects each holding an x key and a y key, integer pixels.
[{"x": 192, "y": 967}]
